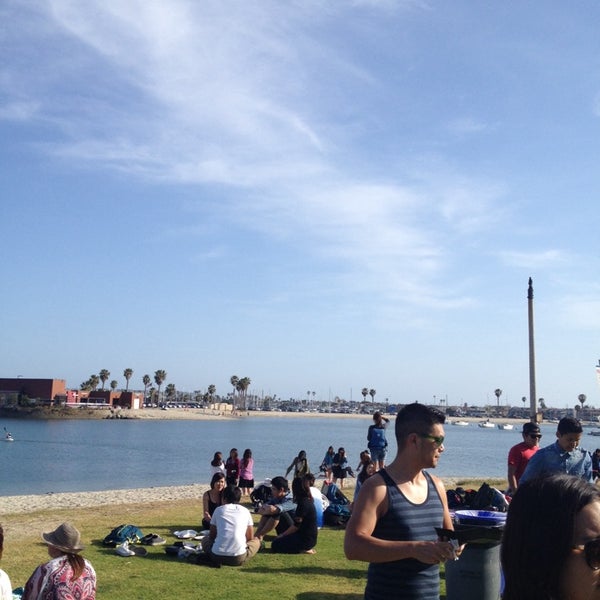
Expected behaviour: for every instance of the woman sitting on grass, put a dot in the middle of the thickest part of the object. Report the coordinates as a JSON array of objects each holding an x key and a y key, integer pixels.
[
  {"x": 301, "y": 537},
  {"x": 67, "y": 575},
  {"x": 212, "y": 498}
]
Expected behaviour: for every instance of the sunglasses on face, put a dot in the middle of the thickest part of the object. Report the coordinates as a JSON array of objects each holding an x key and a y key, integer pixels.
[
  {"x": 537, "y": 436},
  {"x": 438, "y": 440},
  {"x": 591, "y": 551}
]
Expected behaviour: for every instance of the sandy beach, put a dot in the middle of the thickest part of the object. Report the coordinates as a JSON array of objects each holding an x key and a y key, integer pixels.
[{"x": 64, "y": 500}]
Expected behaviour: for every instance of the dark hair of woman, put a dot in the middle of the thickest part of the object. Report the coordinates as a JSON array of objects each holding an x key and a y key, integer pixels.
[
  {"x": 216, "y": 477},
  {"x": 300, "y": 488},
  {"x": 217, "y": 459},
  {"x": 538, "y": 535}
]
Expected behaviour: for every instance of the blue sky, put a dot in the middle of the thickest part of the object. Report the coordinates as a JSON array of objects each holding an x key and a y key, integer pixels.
[{"x": 317, "y": 195}]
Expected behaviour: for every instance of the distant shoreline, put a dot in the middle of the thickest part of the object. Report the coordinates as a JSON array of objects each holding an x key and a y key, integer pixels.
[{"x": 199, "y": 414}]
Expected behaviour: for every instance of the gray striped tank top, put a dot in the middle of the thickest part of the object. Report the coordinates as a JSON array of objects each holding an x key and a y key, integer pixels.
[{"x": 407, "y": 579}]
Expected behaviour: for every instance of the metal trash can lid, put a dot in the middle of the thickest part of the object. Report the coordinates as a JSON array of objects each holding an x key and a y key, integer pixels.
[{"x": 480, "y": 517}]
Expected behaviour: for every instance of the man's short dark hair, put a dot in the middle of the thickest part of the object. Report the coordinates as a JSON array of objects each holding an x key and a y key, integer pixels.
[
  {"x": 569, "y": 425},
  {"x": 281, "y": 483},
  {"x": 232, "y": 495},
  {"x": 416, "y": 418}
]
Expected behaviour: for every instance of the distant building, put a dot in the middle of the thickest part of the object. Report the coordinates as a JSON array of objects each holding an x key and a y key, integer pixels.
[
  {"x": 22, "y": 392},
  {"x": 15, "y": 390}
]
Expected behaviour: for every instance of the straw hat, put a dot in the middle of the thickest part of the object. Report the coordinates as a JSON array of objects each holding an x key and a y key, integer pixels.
[{"x": 65, "y": 537}]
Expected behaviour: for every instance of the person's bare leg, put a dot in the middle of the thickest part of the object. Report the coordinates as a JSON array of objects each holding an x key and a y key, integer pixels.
[{"x": 265, "y": 525}]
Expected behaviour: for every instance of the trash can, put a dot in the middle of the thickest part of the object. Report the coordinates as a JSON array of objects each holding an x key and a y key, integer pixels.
[{"x": 476, "y": 575}]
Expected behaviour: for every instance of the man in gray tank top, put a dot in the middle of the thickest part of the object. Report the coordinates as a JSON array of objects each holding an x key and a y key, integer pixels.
[{"x": 396, "y": 511}]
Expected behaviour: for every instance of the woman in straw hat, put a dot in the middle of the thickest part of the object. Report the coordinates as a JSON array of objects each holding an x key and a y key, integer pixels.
[
  {"x": 67, "y": 575},
  {"x": 5, "y": 587}
]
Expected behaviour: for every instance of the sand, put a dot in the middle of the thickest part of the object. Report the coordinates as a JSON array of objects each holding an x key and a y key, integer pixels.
[{"x": 62, "y": 500}]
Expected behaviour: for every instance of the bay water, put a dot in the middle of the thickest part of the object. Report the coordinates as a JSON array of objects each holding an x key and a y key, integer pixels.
[{"x": 83, "y": 455}]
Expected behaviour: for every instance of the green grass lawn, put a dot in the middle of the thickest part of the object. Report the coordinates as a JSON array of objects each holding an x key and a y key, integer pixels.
[{"x": 326, "y": 575}]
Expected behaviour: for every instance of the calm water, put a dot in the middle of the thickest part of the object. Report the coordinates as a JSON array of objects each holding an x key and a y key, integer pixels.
[{"x": 70, "y": 456}]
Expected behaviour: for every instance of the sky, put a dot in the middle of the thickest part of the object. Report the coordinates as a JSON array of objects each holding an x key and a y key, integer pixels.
[{"x": 318, "y": 195}]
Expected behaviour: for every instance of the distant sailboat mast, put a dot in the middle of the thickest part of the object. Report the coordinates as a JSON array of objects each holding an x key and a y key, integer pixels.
[{"x": 598, "y": 371}]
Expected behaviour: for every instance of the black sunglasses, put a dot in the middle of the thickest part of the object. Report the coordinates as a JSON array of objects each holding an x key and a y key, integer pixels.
[
  {"x": 591, "y": 550},
  {"x": 438, "y": 440},
  {"x": 537, "y": 436}
]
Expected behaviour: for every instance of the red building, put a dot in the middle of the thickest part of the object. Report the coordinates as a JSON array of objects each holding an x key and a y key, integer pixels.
[{"x": 44, "y": 390}]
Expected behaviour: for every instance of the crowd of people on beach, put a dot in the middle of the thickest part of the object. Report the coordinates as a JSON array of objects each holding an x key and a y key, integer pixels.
[{"x": 400, "y": 522}]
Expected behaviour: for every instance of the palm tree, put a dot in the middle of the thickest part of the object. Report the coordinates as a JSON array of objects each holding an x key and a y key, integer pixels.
[
  {"x": 113, "y": 384},
  {"x": 582, "y": 398},
  {"x": 127, "y": 373},
  {"x": 91, "y": 384},
  {"x": 104, "y": 375},
  {"x": 523, "y": 400},
  {"x": 498, "y": 393},
  {"x": 364, "y": 392},
  {"x": 170, "y": 391},
  {"x": 212, "y": 388},
  {"x": 159, "y": 378},
  {"x": 235, "y": 380},
  {"x": 372, "y": 393},
  {"x": 243, "y": 385},
  {"x": 146, "y": 381}
]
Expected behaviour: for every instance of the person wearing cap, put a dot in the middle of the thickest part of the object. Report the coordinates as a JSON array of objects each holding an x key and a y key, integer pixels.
[
  {"x": 67, "y": 575},
  {"x": 519, "y": 455},
  {"x": 563, "y": 456}
]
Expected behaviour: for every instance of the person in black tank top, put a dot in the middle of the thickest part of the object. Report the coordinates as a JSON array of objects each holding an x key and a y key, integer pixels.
[{"x": 394, "y": 518}]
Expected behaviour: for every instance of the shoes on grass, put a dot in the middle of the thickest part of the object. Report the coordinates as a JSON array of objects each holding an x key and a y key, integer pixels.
[
  {"x": 125, "y": 549},
  {"x": 186, "y": 534},
  {"x": 152, "y": 539}
]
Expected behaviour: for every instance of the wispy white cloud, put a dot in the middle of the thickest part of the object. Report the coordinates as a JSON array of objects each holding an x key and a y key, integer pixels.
[
  {"x": 534, "y": 260},
  {"x": 467, "y": 126},
  {"x": 19, "y": 111},
  {"x": 235, "y": 95},
  {"x": 581, "y": 312}
]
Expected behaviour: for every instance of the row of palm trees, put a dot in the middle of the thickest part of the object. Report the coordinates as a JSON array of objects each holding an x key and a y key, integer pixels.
[
  {"x": 368, "y": 392},
  {"x": 240, "y": 385},
  {"x": 159, "y": 378}
]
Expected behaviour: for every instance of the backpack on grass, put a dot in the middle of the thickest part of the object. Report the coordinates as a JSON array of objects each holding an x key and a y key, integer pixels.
[
  {"x": 123, "y": 533},
  {"x": 260, "y": 495}
]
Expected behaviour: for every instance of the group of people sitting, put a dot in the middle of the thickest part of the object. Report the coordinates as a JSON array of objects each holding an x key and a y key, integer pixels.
[{"x": 232, "y": 539}]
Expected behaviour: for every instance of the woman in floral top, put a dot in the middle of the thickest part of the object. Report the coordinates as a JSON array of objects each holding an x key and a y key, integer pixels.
[{"x": 68, "y": 575}]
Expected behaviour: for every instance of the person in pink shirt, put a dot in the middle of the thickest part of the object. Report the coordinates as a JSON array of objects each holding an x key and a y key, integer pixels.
[{"x": 246, "y": 483}]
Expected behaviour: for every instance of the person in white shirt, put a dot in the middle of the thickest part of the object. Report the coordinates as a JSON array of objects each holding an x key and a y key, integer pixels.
[
  {"x": 5, "y": 587},
  {"x": 231, "y": 539}
]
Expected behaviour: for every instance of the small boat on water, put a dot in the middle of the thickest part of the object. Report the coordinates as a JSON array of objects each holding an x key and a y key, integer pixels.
[
  {"x": 9, "y": 438},
  {"x": 461, "y": 423},
  {"x": 487, "y": 424},
  {"x": 506, "y": 426},
  {"x": 595, "y": 432}
]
